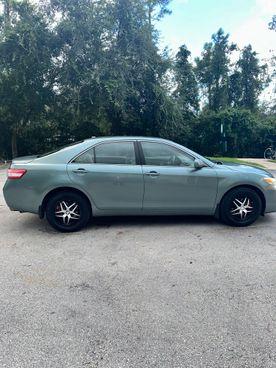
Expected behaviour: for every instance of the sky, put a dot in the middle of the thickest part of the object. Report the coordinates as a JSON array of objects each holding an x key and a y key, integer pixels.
[{"x": 194, "y": 21}]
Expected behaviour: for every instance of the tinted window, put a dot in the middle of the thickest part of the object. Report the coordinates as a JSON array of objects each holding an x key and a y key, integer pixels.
[
  {"x": 86, "y": 158},
  {"x": 121, "y": 153},
  {"x": 158, "y": 154}
]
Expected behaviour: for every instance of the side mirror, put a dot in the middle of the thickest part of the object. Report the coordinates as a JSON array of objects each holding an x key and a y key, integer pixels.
[{"x": 198, "y": 164}]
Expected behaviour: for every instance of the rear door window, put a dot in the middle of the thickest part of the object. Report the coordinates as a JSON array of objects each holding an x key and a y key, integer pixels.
[{"x": 115, "y": 153}]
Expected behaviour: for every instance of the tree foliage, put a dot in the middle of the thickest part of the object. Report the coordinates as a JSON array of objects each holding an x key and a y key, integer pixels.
[
  {"x": 70, "y": 69},
  {"x": 26, "y": 50},
  {"x": 248, "y": 80},
  {"x": 186, "y": 93},
  {"x": 212, "y": 69},
  {"x": 272, "y": 24}
]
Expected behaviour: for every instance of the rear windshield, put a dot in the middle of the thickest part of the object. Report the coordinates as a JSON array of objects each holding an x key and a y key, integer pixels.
[{"x": 59, "y": 149}]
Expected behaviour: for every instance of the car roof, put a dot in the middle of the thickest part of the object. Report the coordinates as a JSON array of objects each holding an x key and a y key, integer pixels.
[
  {"x": 69, "y": 152},
  {"x": 124, "y": 138}
]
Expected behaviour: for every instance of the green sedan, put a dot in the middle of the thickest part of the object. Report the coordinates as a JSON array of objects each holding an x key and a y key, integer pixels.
[{"x": 111, "y": 176}]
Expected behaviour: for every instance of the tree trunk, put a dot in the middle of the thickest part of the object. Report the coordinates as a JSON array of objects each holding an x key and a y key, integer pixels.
[
  {"x": 149, "y": 16},
  {"x": 150, "y": 10},
  {"x": 14, "y": 144},
  {"x": 7, "y": 19}
]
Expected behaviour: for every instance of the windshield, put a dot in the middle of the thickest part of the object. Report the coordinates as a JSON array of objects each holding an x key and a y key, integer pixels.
[{"x": 59, "y": 149}]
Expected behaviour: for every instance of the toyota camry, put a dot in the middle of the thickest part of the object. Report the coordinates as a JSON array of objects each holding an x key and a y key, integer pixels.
[{"x": 111, "y": 176}]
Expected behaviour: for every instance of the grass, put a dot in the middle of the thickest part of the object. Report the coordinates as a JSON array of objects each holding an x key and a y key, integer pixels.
[{"x": 235, "y": 160}]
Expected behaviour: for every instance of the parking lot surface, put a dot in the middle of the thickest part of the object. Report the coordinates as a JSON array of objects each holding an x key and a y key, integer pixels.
[{"x": 137, "y": 293}]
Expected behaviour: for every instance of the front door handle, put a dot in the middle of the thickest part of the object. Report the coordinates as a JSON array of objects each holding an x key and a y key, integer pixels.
[
  {"x": 80, "y": 171},
  {"x": 152, "y": 173}
]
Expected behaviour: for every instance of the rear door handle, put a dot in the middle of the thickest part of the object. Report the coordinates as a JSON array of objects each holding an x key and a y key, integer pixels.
[
  {"x": 152, "y": 173},
  {"x": 80, "y": 171}
]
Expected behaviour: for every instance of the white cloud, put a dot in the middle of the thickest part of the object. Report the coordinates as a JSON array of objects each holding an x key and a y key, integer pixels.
[
  {"x": 254, "y": 29},
  {"x": 266, "y": 6}
]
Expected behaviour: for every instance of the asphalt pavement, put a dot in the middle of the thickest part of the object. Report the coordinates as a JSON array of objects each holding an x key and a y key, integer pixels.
[{"x": 167, "y": 292}]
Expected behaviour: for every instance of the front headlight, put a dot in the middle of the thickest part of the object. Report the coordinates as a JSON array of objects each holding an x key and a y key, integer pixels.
[{"x": 271, "y": 183}]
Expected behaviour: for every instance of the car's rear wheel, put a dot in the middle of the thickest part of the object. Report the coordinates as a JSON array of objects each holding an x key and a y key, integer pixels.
[
  {"x": 68, "y": 211},
  {"x": 240, "y": 207}
]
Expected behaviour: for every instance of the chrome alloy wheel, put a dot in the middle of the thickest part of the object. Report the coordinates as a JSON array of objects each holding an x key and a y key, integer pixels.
[
  {"x": 243, "y": 208},
  {"x": 67, "y": 212}
]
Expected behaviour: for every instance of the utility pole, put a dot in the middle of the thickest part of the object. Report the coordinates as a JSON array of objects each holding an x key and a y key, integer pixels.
[{"x": 223, "y": 139}]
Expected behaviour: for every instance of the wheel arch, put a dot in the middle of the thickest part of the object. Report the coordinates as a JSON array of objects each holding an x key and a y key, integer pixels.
[
  {"x": 256, "y": 189},
  {"x": 54, "y": 191}
]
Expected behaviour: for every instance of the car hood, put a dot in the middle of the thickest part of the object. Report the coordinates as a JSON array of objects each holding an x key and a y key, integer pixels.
[
  {"x": 23, "y": 159},
  {"x": 246, "y": 169}
]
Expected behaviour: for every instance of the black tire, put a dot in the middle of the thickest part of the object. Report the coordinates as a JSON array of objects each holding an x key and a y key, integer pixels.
[
  {"x": 58, "y": 207},
  {"x": 230, "y": 211}
]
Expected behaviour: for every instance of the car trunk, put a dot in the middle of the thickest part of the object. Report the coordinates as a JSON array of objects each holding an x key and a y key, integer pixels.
[{"x": 23, "y": 160}]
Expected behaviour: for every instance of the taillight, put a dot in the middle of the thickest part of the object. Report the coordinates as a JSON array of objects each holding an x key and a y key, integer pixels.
[{"x": 16, "y": 173}]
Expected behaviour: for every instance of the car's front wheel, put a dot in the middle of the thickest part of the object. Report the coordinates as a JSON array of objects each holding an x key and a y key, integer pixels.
[
  {"x": 240, "y": 207},
  {"x": 68, "y": 211}
]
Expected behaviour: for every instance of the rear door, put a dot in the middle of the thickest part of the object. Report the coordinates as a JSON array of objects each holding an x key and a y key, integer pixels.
[
  {"x": 172, "y": 184},
  {"x": 110, "y": 174}
]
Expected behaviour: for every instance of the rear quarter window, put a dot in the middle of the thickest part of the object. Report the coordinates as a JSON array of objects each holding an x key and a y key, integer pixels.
[{"x": 87, "y": 157}]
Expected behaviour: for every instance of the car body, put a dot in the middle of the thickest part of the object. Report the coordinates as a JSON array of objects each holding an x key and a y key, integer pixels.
[{"x": 134, "y": 176}]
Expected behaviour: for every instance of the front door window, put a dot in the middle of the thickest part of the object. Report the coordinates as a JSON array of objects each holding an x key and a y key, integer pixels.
[{"x": 158, "y": 154}]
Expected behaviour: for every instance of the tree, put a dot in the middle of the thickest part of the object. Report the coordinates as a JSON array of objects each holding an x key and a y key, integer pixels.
[
  {"x": 248, "y": 80},
  {"x": 156, "y": 9},
  {"x": 25, "y": 65},
  {"x": 245, "y": 132},
  {"x": 213, "y": 70},
  {"x": 110, "y": 73},
  {"x": 235, "y": 88},
  {"x": 85, "y": 36},
  {"x": 139, "y": 70},
  {"x": 186, "y": 92},
  {"x": 70, "y": 69}
]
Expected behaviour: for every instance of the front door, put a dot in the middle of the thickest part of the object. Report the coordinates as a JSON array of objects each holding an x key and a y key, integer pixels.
[
  {"x": 172, "y": 184},
  {"x": 109, "y": 173}
]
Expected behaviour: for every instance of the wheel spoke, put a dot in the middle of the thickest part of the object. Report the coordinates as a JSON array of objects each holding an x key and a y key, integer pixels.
[
  {"x": 67, "y": 219},
  {"x": 74, "y": 209},
  {"x": 71, "y": 205},
  {"x": 243, "y": 203},
  {"x": 248, "y": 204},
  {"x": 75, "y": 217},
  {"x": 239, "y": 202}
]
